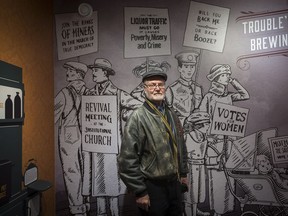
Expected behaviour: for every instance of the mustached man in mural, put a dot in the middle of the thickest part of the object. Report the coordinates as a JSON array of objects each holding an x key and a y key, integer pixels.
[
  {"x": 140, "y": 70},
  {"x": 184, "y": 95},
  {"x": 153, "y": 156},
  {"x": 103, "y": 179},
  {"x": 221, "y": 200},
  {"x": 196, "y": 126},
  {"x": 67, "y": 109}
]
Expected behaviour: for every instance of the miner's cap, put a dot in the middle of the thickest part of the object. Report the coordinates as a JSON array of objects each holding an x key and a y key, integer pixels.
[{"x": 77, "y": 66}]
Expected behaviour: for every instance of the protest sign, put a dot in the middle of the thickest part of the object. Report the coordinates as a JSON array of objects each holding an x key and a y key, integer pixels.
[
  {"x": 206, "y": 26},
  {"x": 76, "y": 35},
  {"x": 229, "y": 120},
  {"x": 279, "y": 149},
  {"x": 147, "y": 32},
  {"x": 99, "y": 124}
]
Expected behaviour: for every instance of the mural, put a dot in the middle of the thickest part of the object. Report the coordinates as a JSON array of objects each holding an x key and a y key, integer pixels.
[{"x": 227, "y": 82}]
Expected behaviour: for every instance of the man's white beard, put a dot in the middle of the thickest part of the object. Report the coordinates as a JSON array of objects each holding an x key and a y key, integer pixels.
[{"x": 157, "y": 97}]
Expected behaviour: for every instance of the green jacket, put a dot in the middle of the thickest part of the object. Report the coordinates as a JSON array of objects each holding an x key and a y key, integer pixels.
[{"x": 145, "y": 151}]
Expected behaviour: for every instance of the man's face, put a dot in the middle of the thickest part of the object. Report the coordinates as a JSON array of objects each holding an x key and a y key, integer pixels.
[
  {"x": 71, "y": 74},
  {"x": 187, "y": 70},
  {"x": 155, "y": 89},
  {"x": 99, "y": 75}
]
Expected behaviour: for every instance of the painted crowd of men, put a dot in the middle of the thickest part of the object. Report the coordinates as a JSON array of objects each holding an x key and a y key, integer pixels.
[{"x": 89, "y": 173}]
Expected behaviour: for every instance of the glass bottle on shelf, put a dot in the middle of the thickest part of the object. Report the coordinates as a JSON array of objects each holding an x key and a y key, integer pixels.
[
  {"x": 8, "y": 108},
  {"x": 17, "y": 106}
]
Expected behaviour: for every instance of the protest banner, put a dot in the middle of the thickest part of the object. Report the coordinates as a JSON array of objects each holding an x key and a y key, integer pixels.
[
  {"x": 147, "y": 32},
  {"x": 229, "y": 120},
  {"x": 76, "y": 35},
  {"x": 99, "y": 124},
  {"x": 206, "y": 26},
  {"x": 279, "y": 149}
]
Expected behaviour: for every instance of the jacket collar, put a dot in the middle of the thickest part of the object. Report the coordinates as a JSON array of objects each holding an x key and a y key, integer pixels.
[
  {"x": 161, "y": 109},
  {"x": 186, "y": 82}
]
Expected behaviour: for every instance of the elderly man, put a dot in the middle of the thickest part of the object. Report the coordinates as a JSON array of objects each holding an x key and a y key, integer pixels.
[
  {"x": 67, "y": 106},
  {"x": 153, "y": 156}
]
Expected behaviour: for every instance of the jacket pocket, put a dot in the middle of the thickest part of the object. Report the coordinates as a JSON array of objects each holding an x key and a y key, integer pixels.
[
  {"x": 148, "y": 165},
  {"x": 71, "y": 134}
]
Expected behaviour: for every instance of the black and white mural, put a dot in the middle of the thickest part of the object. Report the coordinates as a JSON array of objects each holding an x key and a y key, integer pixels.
[{"x": 226, "y": 59}]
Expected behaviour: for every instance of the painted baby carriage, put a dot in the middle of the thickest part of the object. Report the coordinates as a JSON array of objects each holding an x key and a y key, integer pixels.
[{"x": 255, "y": 189}]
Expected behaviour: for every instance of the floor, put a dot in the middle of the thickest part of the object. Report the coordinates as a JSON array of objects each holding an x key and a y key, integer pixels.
[{"x": 131, "y": 210}]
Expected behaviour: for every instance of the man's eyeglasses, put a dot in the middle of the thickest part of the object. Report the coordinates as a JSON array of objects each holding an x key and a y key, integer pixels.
[{"x": 154, "y": 86}]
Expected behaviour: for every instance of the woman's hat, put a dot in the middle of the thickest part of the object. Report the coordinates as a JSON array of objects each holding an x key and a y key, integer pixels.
[{"x": 217, "y": 70}]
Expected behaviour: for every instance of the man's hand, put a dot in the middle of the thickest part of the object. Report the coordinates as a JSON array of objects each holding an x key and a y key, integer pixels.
[
  {"x": 184, "y": 180},
  {"x": 184, "y": 184},
  {"x": 143, "y": 202}
]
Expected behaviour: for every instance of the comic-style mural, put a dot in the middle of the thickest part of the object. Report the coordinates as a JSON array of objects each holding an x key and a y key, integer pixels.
[{"x": 226, "y": 63}]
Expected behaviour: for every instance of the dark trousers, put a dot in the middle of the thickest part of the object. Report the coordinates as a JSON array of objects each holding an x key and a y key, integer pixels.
[{"x": 165, "y": 198}]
